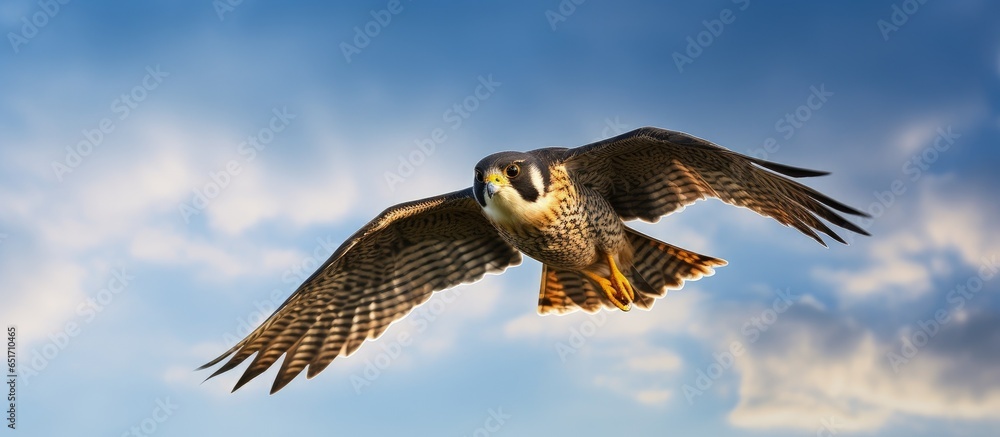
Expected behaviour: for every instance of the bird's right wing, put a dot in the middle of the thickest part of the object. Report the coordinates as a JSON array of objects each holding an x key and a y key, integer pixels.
[
  {"x": 649, "y": 172},
  {"x": 376, "y": 277}
]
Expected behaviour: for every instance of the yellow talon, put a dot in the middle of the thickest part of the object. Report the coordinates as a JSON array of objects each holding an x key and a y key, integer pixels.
[
  {"x": 618, "y": 290},
  {"x": 620, "y": 282}
]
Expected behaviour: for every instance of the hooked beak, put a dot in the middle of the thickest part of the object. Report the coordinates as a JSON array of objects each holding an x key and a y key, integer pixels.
[{"x": 493, "y": 183}]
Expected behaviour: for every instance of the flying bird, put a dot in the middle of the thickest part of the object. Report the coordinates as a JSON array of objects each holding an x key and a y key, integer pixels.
[{"x": 563, "y": 207}]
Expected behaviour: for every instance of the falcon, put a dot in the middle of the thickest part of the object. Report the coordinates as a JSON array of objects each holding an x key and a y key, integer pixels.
[{"x": 564, "y": 207}]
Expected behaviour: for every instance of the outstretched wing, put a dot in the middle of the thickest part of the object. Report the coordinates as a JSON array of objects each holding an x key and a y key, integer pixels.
[
  {"x": 376, "y": 277},
  {"x": 649, "y": 172}
]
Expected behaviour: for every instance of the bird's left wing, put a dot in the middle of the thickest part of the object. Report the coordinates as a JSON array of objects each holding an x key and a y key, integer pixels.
[
  {"x": 649, "y": 172},
  {"x": 376, "y": 277}
]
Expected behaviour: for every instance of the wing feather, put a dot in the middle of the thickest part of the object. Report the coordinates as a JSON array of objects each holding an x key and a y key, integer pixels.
[
  {"x": 649, "y": 172},
  {"x": 376, "y": 277}
]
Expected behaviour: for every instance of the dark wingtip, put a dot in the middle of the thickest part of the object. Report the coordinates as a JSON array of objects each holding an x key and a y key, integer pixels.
[
  {"x": 812, "y": 234},
  {"x": 219, "y": 359},
  {"x": 240, "y": 383},
  {"x": 847, "y": 209},
  {"x": 207, "y": 365},
  {"x": 279, "y": 384},
  {"x": 218, "y": 372},
  {"x": 798, "y": 172},
  {"x": 213, "y": 375},
  {"x": 787, "y": 170},
  {"x": 822, "y": 227}
]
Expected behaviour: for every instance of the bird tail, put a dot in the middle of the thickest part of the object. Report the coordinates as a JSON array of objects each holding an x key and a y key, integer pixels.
[{"x": 656, "y": 268}]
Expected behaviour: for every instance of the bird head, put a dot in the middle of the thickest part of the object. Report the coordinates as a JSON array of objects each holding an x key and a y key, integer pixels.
[{"x": 508, "y": 182}]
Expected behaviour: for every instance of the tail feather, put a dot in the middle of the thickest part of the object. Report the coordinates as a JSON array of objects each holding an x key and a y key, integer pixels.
[
  {"x": 565, "y": 291},
  {"x": 656, "y": 268}
]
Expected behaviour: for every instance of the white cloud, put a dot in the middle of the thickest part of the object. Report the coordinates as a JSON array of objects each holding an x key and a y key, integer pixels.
[
  {"x": 814, "y": 367},
  {"x": 656, "y": 361},
  {"x": 101, "y": 203},
  {"x": 627, "y": 387},
  {"x": 942, "y": 222},
  {"x": 40, "y": 298},
  {"x": 218, "y": 259},
  {"x": 891, "y": 266},
  {"x": 653, "y": 397},
  {"x": 600, "y": 341},
  {"x": 258, "y": 194},
  {"x": 802, "y": 385},
  {"x": 122, "y": 202}
]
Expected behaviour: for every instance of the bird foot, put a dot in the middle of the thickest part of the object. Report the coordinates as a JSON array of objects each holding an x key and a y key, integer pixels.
[
  {"x": 622, "y": 285},
  {"x": 617, "y": 288}
]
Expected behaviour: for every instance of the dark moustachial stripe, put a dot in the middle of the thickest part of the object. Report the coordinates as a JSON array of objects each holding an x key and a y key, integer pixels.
[
  {"x": 524, "y": 187},
  {"x": 477, "y": 192}
]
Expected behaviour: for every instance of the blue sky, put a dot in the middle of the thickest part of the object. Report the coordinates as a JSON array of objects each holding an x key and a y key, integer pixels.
[{"x": 172, "y": 170}]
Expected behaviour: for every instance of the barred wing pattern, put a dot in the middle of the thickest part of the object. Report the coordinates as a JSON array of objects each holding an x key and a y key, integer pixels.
[
  {"x": 649, "y": 172},
  {"x": 376, "y": 277}
]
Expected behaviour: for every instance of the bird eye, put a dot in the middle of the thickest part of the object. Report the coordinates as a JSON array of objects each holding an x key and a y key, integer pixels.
[
  {"x": 479, "y": 175},
  {"x": 513, "y": 170}
]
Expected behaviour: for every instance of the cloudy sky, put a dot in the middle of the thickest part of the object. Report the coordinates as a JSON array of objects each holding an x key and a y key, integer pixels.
[{"x": 171, "y": 171}]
